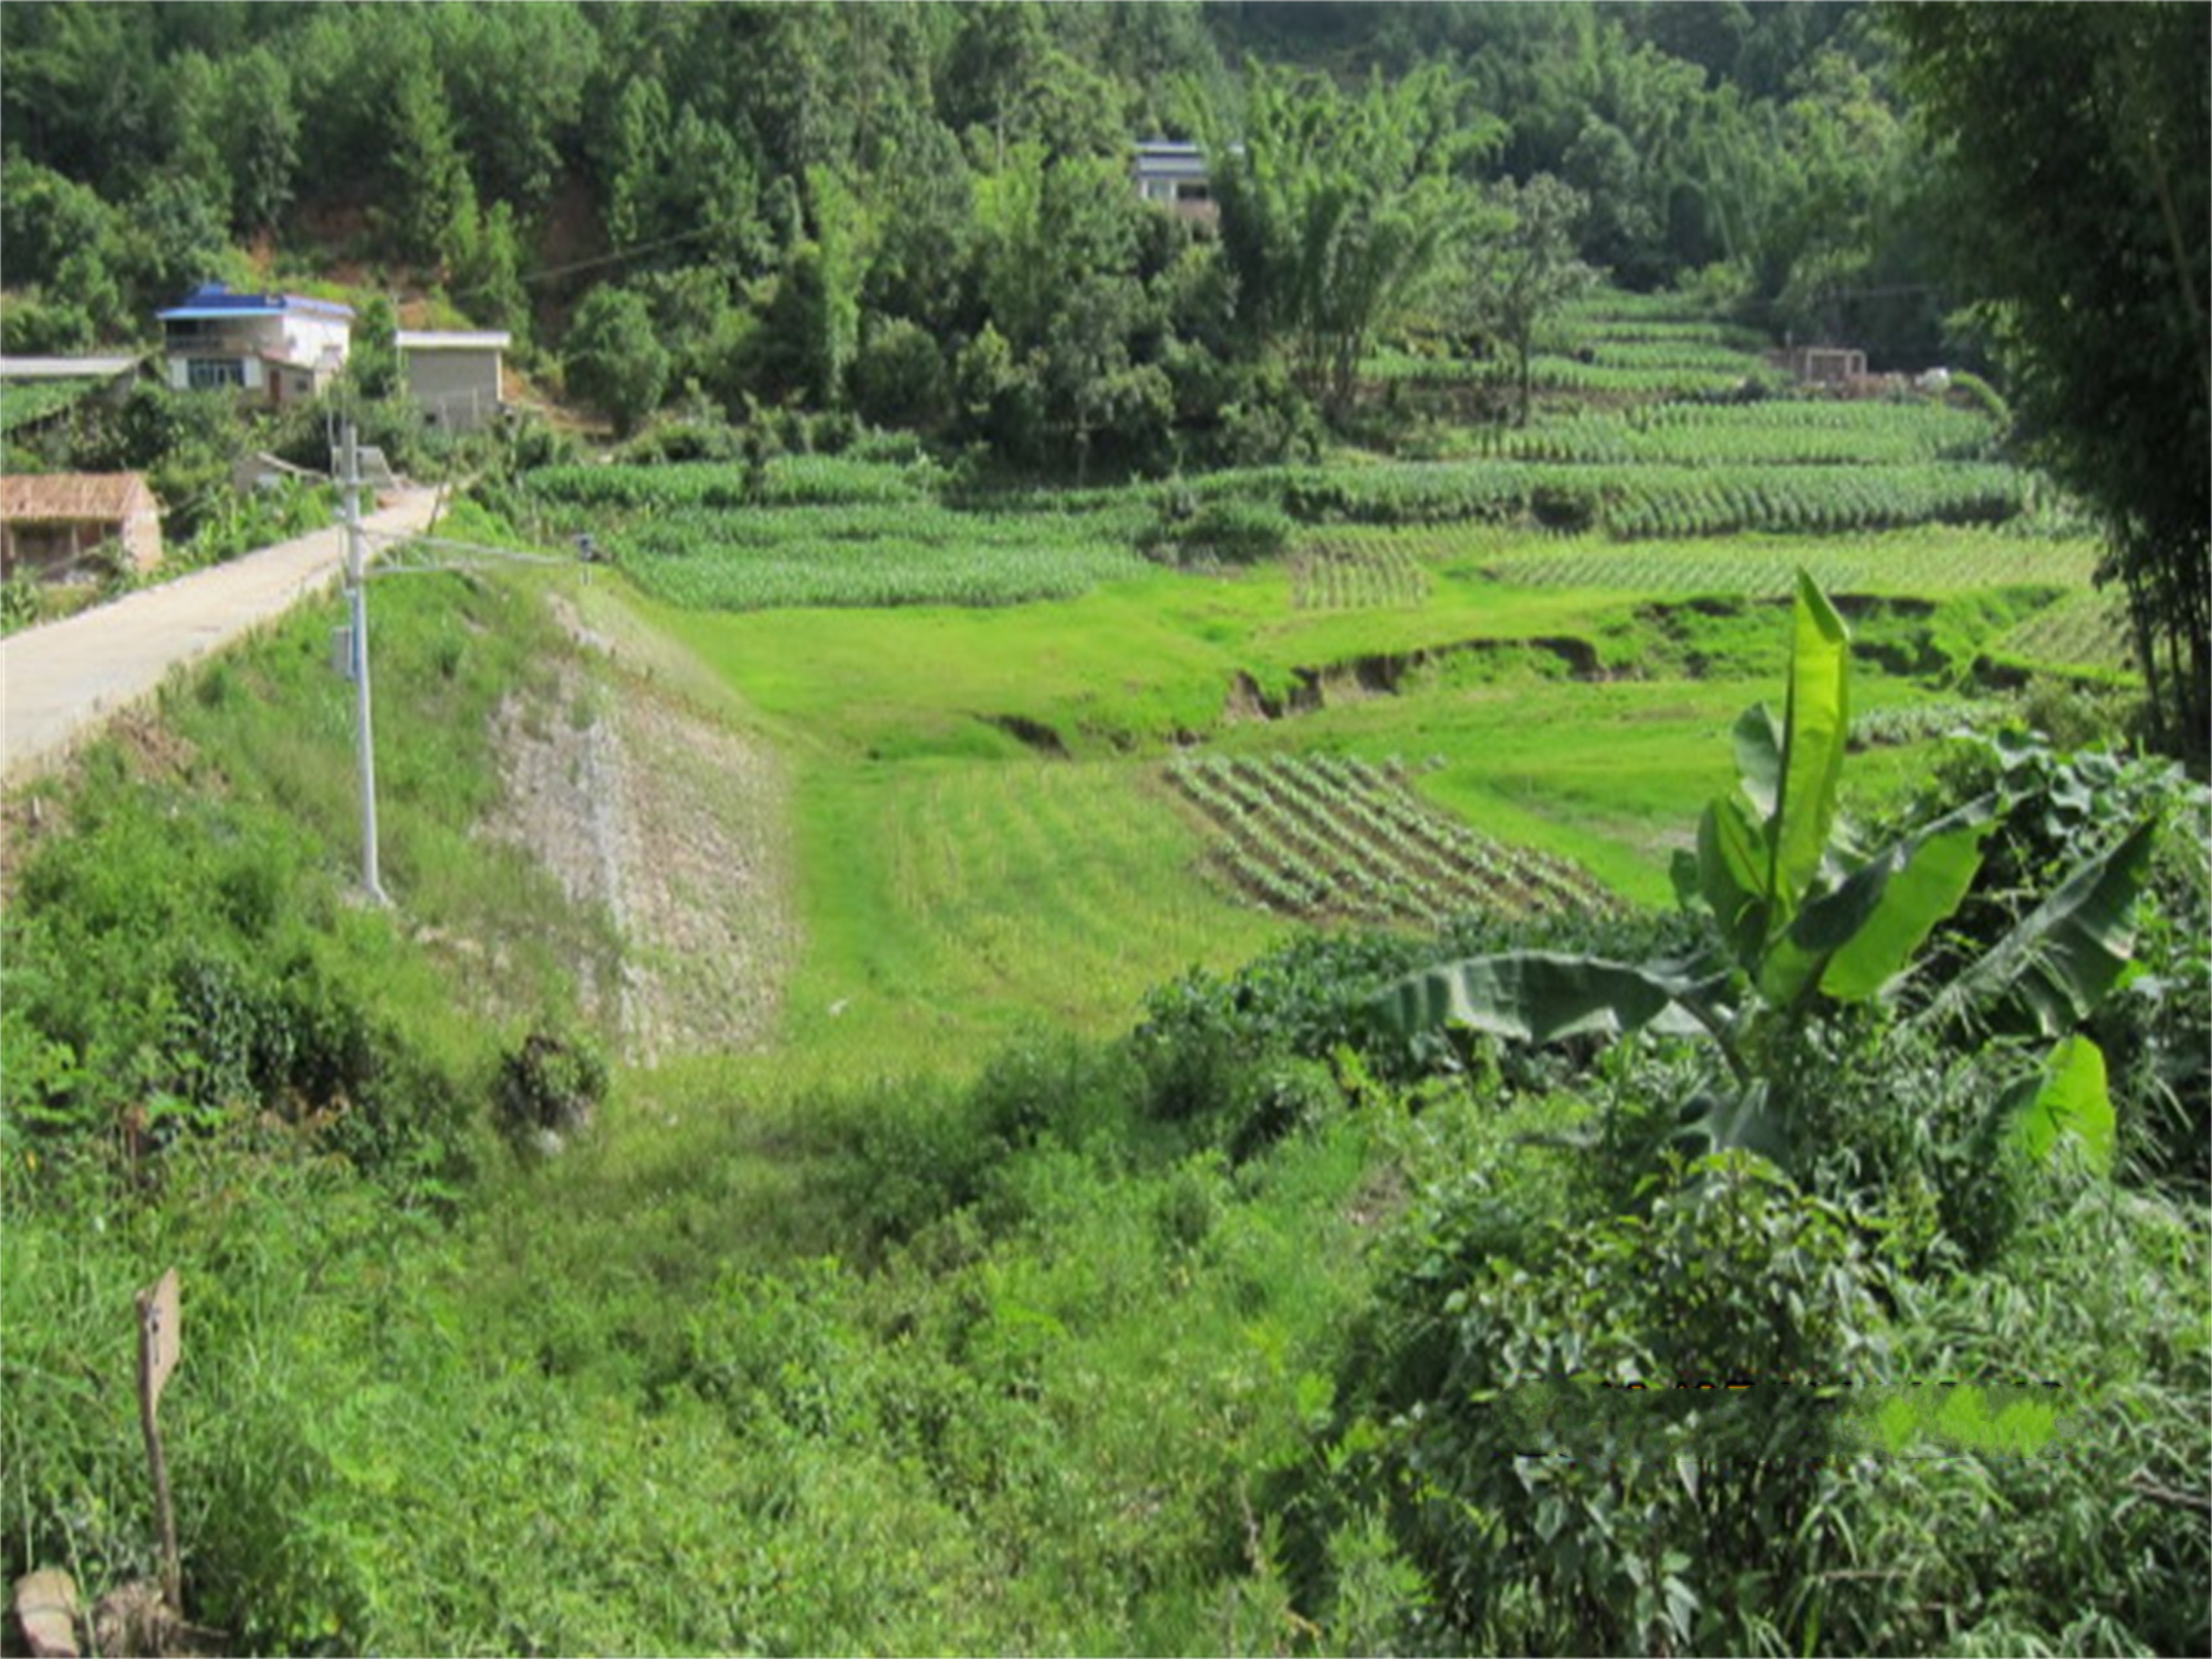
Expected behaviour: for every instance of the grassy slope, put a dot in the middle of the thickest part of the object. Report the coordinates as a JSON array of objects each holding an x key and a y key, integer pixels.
[{"x": 1034, "y": 1428}]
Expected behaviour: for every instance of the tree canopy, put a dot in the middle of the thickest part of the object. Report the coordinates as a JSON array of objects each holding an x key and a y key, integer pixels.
[
  {"x": 875, "y": 175},
  {"x": 2083, "y": 137}
]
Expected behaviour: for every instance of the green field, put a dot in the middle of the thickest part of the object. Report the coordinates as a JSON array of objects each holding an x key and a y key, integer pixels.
[
  {"x": 1001, "y": 1290},
  {"x": 982, "y": 691}
]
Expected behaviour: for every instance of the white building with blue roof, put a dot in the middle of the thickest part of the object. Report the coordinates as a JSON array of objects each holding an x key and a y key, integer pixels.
[{"x": 278, "y": 347}]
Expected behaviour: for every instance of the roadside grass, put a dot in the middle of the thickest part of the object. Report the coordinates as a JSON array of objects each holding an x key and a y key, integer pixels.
[{"x": 272, "y": 730}]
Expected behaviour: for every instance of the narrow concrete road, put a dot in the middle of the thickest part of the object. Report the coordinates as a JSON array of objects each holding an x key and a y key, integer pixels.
[{"x": 60, "y": 683}]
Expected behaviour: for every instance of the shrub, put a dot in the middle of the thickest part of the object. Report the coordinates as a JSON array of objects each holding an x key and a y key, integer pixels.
[
  {"x": 900, "y": 378},
  {"x": 1220, "y": 530},
  {"x": 1556, "y": 1442},
  {"x": 547, "y": 1089}
]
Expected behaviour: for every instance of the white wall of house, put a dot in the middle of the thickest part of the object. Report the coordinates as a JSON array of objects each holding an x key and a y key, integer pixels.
[
  {"x": 316, "y": 344},
  {"x": 455, "y": 377},
  {"x": 308, "y": 341}
]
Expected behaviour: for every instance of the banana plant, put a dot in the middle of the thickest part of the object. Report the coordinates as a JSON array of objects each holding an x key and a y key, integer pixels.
[{"x": 1802, "y": 924}]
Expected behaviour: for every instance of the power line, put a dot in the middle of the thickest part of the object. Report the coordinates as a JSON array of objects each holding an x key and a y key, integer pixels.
[
  {"x": 617, "y": 257},
  {"x": 502, "y": 554}
]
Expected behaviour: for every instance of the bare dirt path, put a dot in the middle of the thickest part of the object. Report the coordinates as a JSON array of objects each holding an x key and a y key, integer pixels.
[{"x": 60, "y": 683}]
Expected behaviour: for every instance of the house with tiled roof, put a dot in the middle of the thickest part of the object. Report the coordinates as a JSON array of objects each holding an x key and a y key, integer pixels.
[
  {"x": 55, "y": 523},
  {"x": 278, "y": 347}
]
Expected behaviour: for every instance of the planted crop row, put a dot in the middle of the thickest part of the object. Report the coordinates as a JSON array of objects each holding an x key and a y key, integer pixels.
[
  {"x": 1922, "y": 560},
  {"x": 1881, "y": 728},
  {"x": 1776, "y": 432},
  {"x": 2088, "y": 630},
  {"x": 866, "y": 557},
  {"x": 1608, "y": 306},
  {"x": 1673, "y": 329},
  {"x": 1633, "y": 502},
  {"x": 785, "y": 481},
  {"x": 1319, "y": 836},
  {"x": 1809, "y": 499},
  {"x": 1335, "y": 573},
  {"x": 1553, "y": 373},
  {"x": 1668, "y": 351}
]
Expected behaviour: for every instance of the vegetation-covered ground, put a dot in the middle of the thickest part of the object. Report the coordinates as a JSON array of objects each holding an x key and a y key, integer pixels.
[
  {"x": 1004, "y": 1223},
  {"x": 1124, "y": 974}
]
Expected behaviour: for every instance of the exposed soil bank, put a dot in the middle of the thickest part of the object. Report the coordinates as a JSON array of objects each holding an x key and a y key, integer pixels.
[{"x": 637, "y": 802}]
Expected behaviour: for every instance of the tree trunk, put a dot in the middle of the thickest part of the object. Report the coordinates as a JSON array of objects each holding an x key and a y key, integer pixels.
[{"x": 1524, "y": 345}]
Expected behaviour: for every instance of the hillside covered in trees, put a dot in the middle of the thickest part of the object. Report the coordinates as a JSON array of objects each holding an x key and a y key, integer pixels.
[{"x": 922, "y": 213}]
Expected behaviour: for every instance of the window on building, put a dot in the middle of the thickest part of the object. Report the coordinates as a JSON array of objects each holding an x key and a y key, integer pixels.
[{"x": 212, "y": 374}]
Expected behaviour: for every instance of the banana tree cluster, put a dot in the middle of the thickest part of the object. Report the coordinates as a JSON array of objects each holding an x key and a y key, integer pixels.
[{"x": 1805, "y": 924}]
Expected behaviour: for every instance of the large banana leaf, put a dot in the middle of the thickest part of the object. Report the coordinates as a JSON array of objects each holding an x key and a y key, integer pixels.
[
  {"x": 1814, "y": 726},
  {"x": 2071, "y": 1098},
  {"x": 1854, "y": 941},
  {"x": 1758, "y": 745},
  {"x": 1732, "y": 865},
  {"x": 2049, "y": 973},
  {"x": 1539, "y": 996}
]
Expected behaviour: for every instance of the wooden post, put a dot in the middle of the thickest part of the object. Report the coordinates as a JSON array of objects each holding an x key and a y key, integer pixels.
[{"x": 160, "y": 1333}]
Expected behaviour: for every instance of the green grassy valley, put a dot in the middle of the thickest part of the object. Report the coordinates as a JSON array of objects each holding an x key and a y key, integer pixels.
[
  {"x": 1044, "y": 1252},
  {"x": 1293, "y": 830}
]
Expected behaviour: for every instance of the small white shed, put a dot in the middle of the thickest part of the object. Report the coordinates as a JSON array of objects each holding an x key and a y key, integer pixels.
[{"x": 455, "y": 375}]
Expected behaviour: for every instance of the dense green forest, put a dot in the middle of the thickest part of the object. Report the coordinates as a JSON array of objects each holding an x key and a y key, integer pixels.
[
  {"x": 919, "y": 212},
  {"x": 1328, "y": 931}
]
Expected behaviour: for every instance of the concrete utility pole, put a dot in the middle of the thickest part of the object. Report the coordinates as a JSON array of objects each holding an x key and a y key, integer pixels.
[{"x": 357, "y": 660}]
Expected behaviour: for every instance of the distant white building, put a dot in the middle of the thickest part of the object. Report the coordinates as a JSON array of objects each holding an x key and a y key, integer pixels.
[
  {"x": 280, "y": 347},
  {"x": 454, "y": 375},
  {"x": 1172, "y": 175}
]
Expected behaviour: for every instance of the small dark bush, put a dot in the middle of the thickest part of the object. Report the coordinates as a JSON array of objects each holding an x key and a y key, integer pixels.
[
  {"x": 549, "y": 1086},
  {"x": 1557, "y": 507},
  {"x": 1222, "y": 530}
]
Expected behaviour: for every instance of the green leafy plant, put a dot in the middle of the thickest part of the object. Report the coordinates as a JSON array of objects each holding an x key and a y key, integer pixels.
[
  {"x": 1805, "y": 926},
  {"x": 1613, "y": 1435}
]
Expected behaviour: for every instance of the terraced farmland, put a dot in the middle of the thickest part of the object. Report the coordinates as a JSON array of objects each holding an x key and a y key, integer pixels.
[
  {"x": 2086, "y": 630},
  {"x": 1325, "y": 837},
  {"x": 1776, "y": 432},
  {"x": 826, "y": 531}
]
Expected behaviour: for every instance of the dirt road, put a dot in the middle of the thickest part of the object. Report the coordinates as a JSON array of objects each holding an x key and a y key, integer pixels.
[{"x": 59, "y": 683}]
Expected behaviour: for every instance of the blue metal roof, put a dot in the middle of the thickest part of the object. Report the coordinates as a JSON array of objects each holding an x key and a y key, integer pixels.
[{"x": 214, "y": 300}]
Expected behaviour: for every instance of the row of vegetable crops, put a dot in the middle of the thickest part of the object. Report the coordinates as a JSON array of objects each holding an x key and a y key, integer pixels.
[
  {"x": 1321, "y": 836},
  {"x": 1338, "y": 573},
  {"x": 1774, "y": 432},
  {"x": 814, "y": 530},
  {"x": 784, "y": 481},
  {"x": 2087, "y": 630},
  {"x": 869, "y": 556},
  {"x": 1632, "y": 502},
  {"x": 1927, "y": 559}
]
